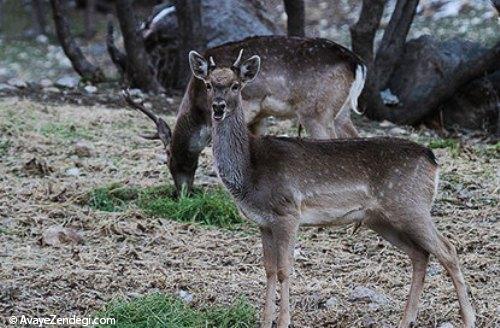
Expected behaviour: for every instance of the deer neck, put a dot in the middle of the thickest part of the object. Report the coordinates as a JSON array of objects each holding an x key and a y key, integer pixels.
[{"x": 231, "y": 149}]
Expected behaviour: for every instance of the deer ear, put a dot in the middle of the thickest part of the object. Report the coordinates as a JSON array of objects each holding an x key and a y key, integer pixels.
[
  {"x": 249, "y": 69},
  {"x": 198, "y": 64}
]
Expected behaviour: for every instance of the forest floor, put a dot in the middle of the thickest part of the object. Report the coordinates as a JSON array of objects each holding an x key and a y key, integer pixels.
[{"x": 58, "y": 255}]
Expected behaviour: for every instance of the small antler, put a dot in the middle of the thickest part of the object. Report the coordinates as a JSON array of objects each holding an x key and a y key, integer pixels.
[
  {"x": 163, "y": 132},
  {"x": 238, "y": 60}
]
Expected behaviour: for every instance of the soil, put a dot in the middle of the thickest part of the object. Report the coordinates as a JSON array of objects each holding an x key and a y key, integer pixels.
[{"x": 43, "y": 184}]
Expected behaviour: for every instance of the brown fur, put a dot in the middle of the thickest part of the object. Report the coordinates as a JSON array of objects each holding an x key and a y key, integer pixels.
[
  {"x": 387, "y": 184},
  {"x": 300, "y": 77}
]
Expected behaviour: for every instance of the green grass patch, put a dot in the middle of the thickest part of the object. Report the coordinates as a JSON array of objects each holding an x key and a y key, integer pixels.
[
  {"x": 160, "y": 311},
  {"x": 207, "y": 206},
  {"x": 4, "y": 147},
  {"x": 65, "y": 131},
  {"x": 450, "y": 144}
]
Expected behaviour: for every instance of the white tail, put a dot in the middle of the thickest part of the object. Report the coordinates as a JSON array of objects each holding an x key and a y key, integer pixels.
[{"x": 357, "y": 87}]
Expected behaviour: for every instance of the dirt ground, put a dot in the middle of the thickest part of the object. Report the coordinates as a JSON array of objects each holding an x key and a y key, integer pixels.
[{"x": 127, "y": 254}]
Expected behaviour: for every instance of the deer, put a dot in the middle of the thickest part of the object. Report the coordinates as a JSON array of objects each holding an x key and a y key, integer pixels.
[
  {"x": 280, "y": 183},
  {"x": 313, "y": 79}
]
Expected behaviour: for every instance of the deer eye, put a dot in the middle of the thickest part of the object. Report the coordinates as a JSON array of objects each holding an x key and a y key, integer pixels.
[
  {"x": 235, "y": 87},
  {"x": 209, "y": 86}
]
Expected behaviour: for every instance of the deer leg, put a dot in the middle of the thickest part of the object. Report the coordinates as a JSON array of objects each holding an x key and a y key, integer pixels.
[
  {"x": 258, "y": 126},
  {"x": 284, "y": 240},
  {"x": 270, "y": 264},
  {"x": 419, "y": 259},
  {"x": 447, "y": 256},
  {"x": 315, "y": 129},
  {"x": 343, "y": 126}
]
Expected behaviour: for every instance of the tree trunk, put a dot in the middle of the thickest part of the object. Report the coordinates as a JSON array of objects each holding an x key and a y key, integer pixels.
[
  {"x": 90, "y": 19},
  {"x": 191, "y": 34},
  {"x": 39, "y": 20},
  {"x": 295, "y": 11},
  {"x": 82, "y": 66},
  {"x": 2, "y": 2},
  {"x": 138, "y": 69}
]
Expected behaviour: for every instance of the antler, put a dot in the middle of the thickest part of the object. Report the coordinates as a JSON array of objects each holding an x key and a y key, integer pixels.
[
  {"x": 238, "y": 60},
  {"x": 163, "y": 131}
]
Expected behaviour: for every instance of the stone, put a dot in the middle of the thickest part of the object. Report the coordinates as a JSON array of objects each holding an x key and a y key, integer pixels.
[
  {"x": 17, "y": 82},
  {"x": 185, "y": 296},
  {"x": 6, "y": 87},
  {"x": 446, "y": 325},
  {"x": 360, "y": 293},
  {"x": 82, "y": 149},
  {"x": 51, "y": 89},
  {"x": 68, "y": 82},
  {"x": 74, "y": 172},
  {"x": 397, "y": 130},
  {"x": 90, "y": 89},
  {"x": 331, "y": 302},
  {"x": 386, "y": 124},
  {"x": 42, "y": 39},
  {"x": 45, "y": 83},
  {"x": 57, "y": 235}
]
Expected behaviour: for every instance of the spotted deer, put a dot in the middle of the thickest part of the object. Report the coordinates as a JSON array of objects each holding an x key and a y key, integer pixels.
[
  {"x": 385, "y": 184},
  {"x": 315, "y": 80}
]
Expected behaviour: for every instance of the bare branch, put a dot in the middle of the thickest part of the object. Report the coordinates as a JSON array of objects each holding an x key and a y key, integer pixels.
[
  {"x": 117, "y": 57},
  {"x": 81, "y": 65}
]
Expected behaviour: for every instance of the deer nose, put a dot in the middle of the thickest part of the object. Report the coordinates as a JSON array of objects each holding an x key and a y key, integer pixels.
[{"x": 219, "y": 107}]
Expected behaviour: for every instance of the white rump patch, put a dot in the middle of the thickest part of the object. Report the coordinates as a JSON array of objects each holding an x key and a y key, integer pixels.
[{"x": 356, "y": 88}]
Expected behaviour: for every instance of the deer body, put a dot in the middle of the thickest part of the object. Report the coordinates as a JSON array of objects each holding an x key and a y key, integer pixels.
[
  {"x": 315, "y": 80},
  {"x": 282, "y": 183}
]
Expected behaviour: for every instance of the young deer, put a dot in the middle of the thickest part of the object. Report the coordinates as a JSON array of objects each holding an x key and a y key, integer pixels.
[
  {"x": 315, "y": 80},
  {"x": 281, "y": 183}
]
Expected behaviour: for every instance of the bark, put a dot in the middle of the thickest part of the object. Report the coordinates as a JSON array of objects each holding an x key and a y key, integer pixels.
[
  {"x": 82, "y": 66},
  {"x": 89, "y": 19},
  {"x": 39, "y": 20},
  {"x": 295, "y": 11},
  {"x": 191, "y": 34},
  {"x": 138, "y": 69},
  {"x": 2, "y": 2},
  {"x": 117, "y": 57},
  {"x": 392, "y": 44}
]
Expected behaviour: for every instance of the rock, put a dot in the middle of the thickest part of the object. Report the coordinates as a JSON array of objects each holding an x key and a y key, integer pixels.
[
  {"x": 74, "y": 172},
  {"x": 68, "y": 82},
  {"x": 82, "y": 149},
  {"x": 426, "y": 62},
  {"x": 397, "y": 130},
  {"x": 185, "y": 296},
  {"x": 446, "y": 325},
  {"x": 90, "y": 89},
  {"x": 331, "y": 302},
  {"x": 17, "y": 82},
  {"x": 51, "y": 89},
  {"x": 360, "y": 293},
  {"x": 57, "y": 235},
  {"x": 388, "y": 98},
  {"x": 45, "y": 83},
  {"x": 386, "y": 124},
  {"x": 6, "y": 87},
  {"x": 170, "y": 100},
  {"x": 136, "y": 93},
  {"x": 42, "y": 39}
]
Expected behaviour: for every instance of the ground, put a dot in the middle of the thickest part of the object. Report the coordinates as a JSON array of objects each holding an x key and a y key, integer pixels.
[{"x": 128, "y": 254}]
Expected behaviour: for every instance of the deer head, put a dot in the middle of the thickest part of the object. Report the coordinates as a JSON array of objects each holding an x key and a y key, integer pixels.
[{"x": 224, "y": 84}]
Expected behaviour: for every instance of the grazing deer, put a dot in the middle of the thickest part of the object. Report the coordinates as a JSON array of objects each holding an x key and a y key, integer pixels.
[
  {"x": 281, "y": 183},
  {"x": 316, "y": 80}
]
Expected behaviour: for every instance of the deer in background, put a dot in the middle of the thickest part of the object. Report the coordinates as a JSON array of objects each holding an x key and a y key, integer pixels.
[
  {"x": 386, "y": 184},
  {"x": 315, "y": 80}
]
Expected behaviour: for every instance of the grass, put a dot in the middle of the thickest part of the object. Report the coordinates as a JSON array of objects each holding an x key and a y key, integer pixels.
[
  {"x": 65, "y": 131},
  {"x": 4, "y": 147},
  {"x": 160, "y": 310},
  {"x": 452, "y": 145},
  {"x": 211, "y": 207}
]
